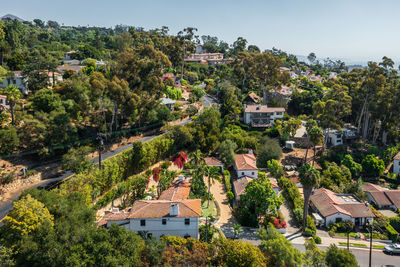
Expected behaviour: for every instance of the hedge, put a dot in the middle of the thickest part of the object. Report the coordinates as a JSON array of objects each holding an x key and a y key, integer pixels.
[
  {"x": 395, "y": 223},
  {"x": 392, "y": 233}
]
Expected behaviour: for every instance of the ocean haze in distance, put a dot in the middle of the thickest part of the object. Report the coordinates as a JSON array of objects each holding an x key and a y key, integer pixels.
[{"x": 356, "y": 31}]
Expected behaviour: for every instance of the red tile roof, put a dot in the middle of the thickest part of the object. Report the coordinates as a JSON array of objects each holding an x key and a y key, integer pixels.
[
  {"x": 262, "y": 109},
  {"x": 394, "y": 197},
  {"x": 178, "y": 191},
  {"x": 397, "y": 157},
  {"x": 380, "y": 198},
  {"x": 240, "y": 185},
  {"x": 245, "y": 162},
  {"x": 329, "y": 203},
  {"x": 155, "y": 209},
  {"x": 273, "y": 183},
  {"x": 213, "y": 161},
  {"x": 371, "y": 188}
]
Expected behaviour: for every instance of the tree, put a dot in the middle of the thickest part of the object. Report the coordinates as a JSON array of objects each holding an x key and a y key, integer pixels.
[
  {"x": 13, "y": 95},
  {"x": 353, "y": 166},
  {"x": 77, "y": 160},
  {"x": 278, "y": 249},
  {"x": 309, "y": 177},
  {"x": 269, "y": 149},
  {"x": 237, "y": 229},
  {"x": 336, "y": 257},
  {"x": 275, "y": 168},
  {"x": 312, "y": 57},
  {"x": 313, "y": 257},
  {"x": 316, "y": 137},
  {"x": 260, "y": 197},
  {"x": 27, "y": 215},
  {"x": 292, "y": 126},
  {"x": 227, "y": 152},
  {"x": 8, "y": 140},
  {"x": 45, "y": 100},
  {"x": 238, "y": 253},
  {"x": 372, "y": 167}
]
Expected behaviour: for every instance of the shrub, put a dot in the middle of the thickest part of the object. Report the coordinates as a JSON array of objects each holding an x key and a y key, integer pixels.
[
  {"x": 372, "y": 166},
  {"x": 395, "y": 223},
  {"x": 269, "y": 149},
  {"x": 392, "y": 233},
  {"x": 308, "y": 232},
  {"x": 8, "y": 140},
  {"x": 317, "y": 240}
]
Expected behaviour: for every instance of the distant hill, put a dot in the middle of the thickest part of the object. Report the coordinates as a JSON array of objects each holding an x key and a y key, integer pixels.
[{"x": 11, "y": 17}]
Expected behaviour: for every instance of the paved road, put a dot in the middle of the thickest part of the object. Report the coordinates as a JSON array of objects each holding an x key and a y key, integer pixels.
[
  {"x": 6, "y": 206},
  {"x": 362, "y": 255}
]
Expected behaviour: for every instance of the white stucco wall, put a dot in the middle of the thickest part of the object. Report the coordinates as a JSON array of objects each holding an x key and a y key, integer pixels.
[
  {"x": 332, "y": 218},
  {"x": 274, "y": 116},
  {"x": 249, "y": 173},
  {"x": 336, "y": 141},
  {"x": 17, "y": 81},
  {"x": 175, "y": 226},
  {"x": 396, "y": 166}
]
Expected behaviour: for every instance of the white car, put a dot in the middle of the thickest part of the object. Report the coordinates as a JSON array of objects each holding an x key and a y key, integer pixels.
[{"x": 392, "y": 249}]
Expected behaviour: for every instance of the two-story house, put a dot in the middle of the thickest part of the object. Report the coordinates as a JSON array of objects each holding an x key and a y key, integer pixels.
[
  {"x": 261, "y": 115},
  {"x": 245, "y": 165},
  {"x": 16, "y": 79},
  {"x": 157, "y": 218}
]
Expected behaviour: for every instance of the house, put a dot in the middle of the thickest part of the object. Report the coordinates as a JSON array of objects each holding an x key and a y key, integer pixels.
[
  {"x": 71, "y": 62},
  {"x": 381, "y": 197},
  {"x": 207, "y": 58},
  {"x": 245, "y": 165},
  {"x": 168, "y": 102},
  {"x": 335, "y": 208},
  {"x": 69, "y": 55},
  {"x": 157, "y": 218},
  {"x": 3, "y": 101},
  {"x": 239, "y": 186},
  {"x": 252, "y": 99},
  {"x": 64, "y": 68},
  {"x": 16, "y": 79},
  {"x": 396, "y": 164},
  {"x": 179, "y": 190},
  {"x": 261, "y": 115},
  {"x": 337, "y": 137},
  {"x": 214, "y": 162}
]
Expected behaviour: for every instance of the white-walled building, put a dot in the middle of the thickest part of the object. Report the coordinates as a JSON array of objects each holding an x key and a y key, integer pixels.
[
  {"x": 3, "y": 101},
  {"x": 17, "y": 80},
  {"x": 157, "y": 218},
  {"x": 261, "y": 115},
  {"x": 396, "y": 164},
  {"x": 335, "y": 208},
  {"x": 245, "y": 165}
]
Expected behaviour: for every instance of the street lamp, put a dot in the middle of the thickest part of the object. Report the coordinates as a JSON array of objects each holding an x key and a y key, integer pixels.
[{"x": 369, "y": 229}]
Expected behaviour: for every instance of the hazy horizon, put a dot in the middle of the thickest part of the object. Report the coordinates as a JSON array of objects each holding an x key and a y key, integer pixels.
[{"x": 355, "y": 31}]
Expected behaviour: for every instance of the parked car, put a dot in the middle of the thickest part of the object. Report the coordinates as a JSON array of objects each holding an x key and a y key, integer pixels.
[{"x": 392, "y": 249}]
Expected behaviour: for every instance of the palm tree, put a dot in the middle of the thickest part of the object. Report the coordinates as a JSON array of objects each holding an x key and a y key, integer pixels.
[
  {"x": 316, "y": 136},
  {"x": 309, "y": 125},
  {"x": 309, "y": 177},
  {"x": 13, "y": 94},
  {"x": 212, "y": 175},
  {"x": 196, "y": 157}
]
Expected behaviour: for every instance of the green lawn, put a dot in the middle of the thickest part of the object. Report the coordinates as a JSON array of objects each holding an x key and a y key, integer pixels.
[
  {"x": 360, "y": 245},
  {"x": 211, "y": 211}
]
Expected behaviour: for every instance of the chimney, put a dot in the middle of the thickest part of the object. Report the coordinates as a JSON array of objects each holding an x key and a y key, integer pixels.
[{"x": 174, "y": 209}]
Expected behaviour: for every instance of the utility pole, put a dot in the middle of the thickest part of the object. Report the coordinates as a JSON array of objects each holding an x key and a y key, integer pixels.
[
  {"x": 101, "y": 144},
  {"x": 369, "y": 228}
]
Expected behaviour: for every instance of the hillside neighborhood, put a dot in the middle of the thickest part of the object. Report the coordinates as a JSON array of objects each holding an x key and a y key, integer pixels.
[{"x": 131, "y": 147}]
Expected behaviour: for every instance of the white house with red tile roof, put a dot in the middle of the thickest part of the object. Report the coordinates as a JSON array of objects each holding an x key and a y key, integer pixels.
[
  {"x": 245, "y": 165},
  {"x": 3, "y": 101},
  {"x": 157, "y": 218},
  {"x": 340, "y": 207},
  {"x": 383, "y": 198},
  {"x": 396, "y": 164},
  {"x": 261, "y": 115},
  {"x": 15, "y": 78}
]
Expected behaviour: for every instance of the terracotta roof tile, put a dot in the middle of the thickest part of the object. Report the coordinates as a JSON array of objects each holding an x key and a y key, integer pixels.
[
  {"x": 273, "y": 183},
  {"x": 245, "y": 162},
  {"x": 262, "y": 109},
  {"x": 178, "y": 191},
  {"x": 380, "y": 198},
  {"x": 240, "y": 185},
  {"x": 213, "y": 161},
  {"x": 397, "y": 157},
  {"x": 394, "y": 197},
  {"x": 371, "y": 187}
]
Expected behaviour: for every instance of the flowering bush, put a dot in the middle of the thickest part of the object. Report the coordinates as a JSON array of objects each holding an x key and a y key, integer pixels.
[
  {"x": 278, "y": 224},
  {"x": 156, "y": 174},
  {"x": 179, "y": 159}
]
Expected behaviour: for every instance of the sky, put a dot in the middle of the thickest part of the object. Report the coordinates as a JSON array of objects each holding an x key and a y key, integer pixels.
[{"x": 353, "y": 30}]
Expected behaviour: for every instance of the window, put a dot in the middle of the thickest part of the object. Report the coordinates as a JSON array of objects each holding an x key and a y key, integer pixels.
[
  {"x": 242, "y": 173},
  {"x": 187, "y": 221},
  {"x": 252, "y": 173},
  {"x": 164, "y": 221},
  {"x": 338, "y": 220},
  {"x": 142, "y": 222}
]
